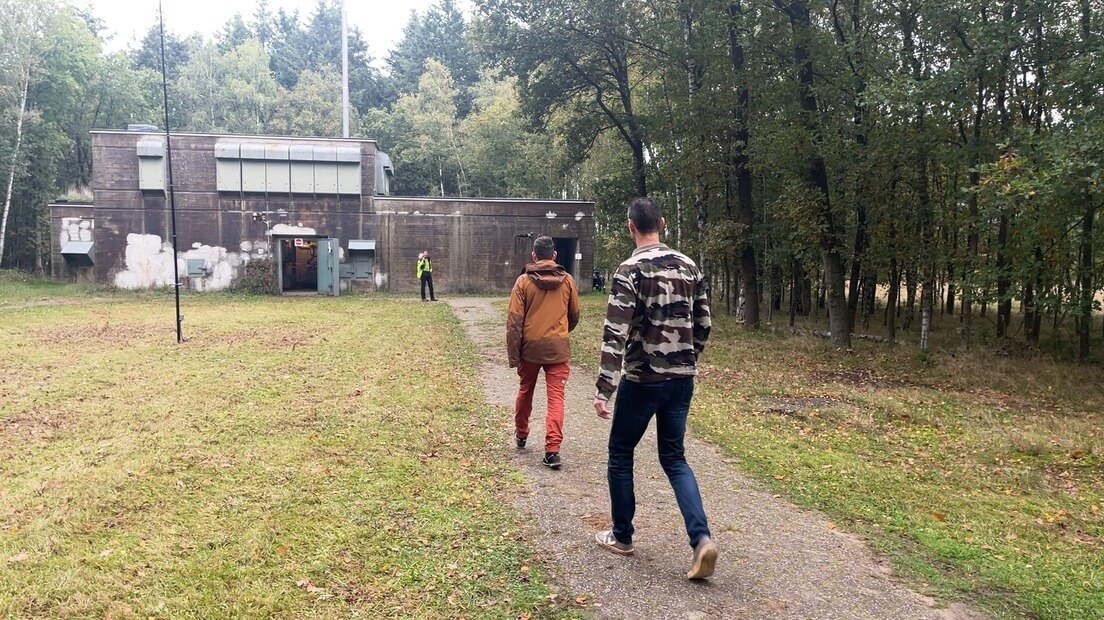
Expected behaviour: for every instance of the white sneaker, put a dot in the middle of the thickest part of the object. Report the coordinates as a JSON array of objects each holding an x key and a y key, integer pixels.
[{"x": 607, "y": 540}]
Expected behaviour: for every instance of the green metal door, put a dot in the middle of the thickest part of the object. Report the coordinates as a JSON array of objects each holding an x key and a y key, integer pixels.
[{"x": 328, "y": 283}]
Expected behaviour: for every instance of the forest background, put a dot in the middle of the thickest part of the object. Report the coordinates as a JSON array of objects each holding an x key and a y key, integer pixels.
[{"x": 902, "y": 169}]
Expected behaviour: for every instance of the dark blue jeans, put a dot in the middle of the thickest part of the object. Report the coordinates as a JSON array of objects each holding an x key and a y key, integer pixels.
[{"x": 669, "y": 402}]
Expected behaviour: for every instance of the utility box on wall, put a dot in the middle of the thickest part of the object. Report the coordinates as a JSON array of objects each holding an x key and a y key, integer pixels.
[{"x": 362, "y": 258}]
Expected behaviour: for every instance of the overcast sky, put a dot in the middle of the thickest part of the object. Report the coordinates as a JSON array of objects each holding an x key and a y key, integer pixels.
[{"x": 381, "y": 21}]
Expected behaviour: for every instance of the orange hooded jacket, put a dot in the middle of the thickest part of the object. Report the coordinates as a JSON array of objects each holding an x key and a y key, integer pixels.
[{"x": 544, "y": 307}]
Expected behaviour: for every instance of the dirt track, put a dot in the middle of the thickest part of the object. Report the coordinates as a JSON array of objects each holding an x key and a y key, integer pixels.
[{"x": 777, "y": 560}]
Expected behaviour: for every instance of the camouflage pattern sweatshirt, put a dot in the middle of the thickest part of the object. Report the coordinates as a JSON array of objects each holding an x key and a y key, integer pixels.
[{"x": 657, "y": 320}]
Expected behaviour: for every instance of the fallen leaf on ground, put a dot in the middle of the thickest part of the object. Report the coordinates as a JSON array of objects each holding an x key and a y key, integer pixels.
[
  {"x": 19, "y": 557},
  {"x": 830, "y": 525}
]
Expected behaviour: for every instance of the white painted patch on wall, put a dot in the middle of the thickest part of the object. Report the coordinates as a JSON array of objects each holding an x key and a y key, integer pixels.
[
  {"x": 287, "y": 229},
  {"x": 75, "y": 229},
  {"x": 149, "y": 264},
  {"x": 579, "y": 216},
  {"x": 550, "y": 215},
  {"x": 381, "y": 279}
]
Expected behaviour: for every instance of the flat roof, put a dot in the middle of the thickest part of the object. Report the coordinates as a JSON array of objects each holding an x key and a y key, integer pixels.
[{"x": 230, "y": 135}]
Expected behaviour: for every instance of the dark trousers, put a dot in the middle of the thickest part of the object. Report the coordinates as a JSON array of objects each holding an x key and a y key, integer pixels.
[
  {"x": 636, "y": 404},
  {"x": 427, "y": 278}
]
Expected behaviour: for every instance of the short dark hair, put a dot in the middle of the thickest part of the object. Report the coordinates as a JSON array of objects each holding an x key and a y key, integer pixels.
[
  {"x": 645, "y": 215},
  {"x": 544, "y": 247}
]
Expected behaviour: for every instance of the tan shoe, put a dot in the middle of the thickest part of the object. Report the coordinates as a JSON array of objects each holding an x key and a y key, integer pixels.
[{"x": 705, "y": 560}]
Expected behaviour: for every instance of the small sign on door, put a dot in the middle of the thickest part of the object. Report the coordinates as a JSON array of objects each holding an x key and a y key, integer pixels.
[
  {"x": 578, "y": 257},
  {"x": 299, "y": 242}
]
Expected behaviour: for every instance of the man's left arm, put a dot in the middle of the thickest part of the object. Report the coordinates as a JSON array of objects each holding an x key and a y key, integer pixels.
[
  {"x": 572, "y": 305},
  {"x": 702, "y": 319}
]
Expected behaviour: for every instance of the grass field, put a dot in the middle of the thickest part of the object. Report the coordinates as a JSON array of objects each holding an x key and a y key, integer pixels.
[
  {"x": 981, "y": 476},
  {"x": 296, "y": 458},
  {"x": 328, "y": 458}
]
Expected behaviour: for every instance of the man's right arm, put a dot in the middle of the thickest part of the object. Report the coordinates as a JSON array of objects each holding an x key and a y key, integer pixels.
[{"x": 515, "y": 324}]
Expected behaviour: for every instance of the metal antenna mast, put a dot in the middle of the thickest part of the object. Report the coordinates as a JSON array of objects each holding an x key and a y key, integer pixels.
[
  {"x": 168, "y": 161},
  {"x": 344, "y": 69}
]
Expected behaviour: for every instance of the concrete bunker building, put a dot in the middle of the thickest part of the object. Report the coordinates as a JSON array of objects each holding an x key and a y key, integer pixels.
[{"x": 318, "y": 209}]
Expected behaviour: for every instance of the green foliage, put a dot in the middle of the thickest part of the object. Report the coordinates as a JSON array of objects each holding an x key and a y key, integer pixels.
[
  {"x": 257, "y": 277},
  {"x": 441, "y": 34},
  {"x": 960, "y": 141}
]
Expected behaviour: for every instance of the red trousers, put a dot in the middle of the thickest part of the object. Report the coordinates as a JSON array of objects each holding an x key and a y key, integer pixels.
[{"x": 555, "y": 377}]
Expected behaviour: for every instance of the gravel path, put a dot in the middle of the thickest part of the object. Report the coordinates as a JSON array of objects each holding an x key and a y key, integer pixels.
[{"x": 776, "y": 560}]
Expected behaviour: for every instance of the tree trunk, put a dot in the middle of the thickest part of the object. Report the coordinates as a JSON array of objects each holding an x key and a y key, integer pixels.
[
  {"x": 854, "y": 54},
  {"x": 1004, "y": 268},
  {"x": 14, "y": 160},
  {"x": 695, "y": 73},
  {"x": 927, "y": 297},
  {"x": 816, "y": 175},
  {"x": 869, "y": 298},
  {"x": 1085, "y": 280},
  {"x": 891, "y": 301},
  {"x": 749, "y": 274},
  {"x": 806, "y": 292},
  {"x": 910, "y": 297},
  {"x": 778, "y": 285},
  {"x": 795, "y": 285},
  {"x": 972, "y": 235}
]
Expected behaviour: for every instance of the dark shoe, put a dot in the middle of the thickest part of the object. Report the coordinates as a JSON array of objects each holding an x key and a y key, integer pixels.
[
  {"x": 520, "y": 441},
  {"x": 606, "y": 539},
  {"x": 551, "y": 460},
  {"x": 705, "y": 560},
  {"x": 424, "y": 299},
  {"x": 434, "y": 299}
]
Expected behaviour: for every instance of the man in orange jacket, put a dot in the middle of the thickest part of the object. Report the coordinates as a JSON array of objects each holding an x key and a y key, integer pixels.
[{"x": 544, "y": 307}]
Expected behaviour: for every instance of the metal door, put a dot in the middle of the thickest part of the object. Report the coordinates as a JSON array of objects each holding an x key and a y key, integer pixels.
[{"x": 328, "y": 282}]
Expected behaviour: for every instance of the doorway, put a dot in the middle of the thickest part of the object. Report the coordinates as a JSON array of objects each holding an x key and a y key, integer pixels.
[
  {"x": 299, "y": 264},
  {"x": 565, "y": 253}
]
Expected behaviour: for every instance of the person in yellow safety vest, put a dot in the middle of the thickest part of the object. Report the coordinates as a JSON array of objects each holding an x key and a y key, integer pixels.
[{"x": 425, "y": 274}]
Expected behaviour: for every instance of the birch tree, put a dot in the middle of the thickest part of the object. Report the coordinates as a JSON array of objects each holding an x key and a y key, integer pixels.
[{"x": 23, "y": 27}]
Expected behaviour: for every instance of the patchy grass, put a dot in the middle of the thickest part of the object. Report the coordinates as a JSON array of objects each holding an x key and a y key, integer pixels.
[
  {"x": 981, "y": 476},
  {"x": 296, "y": 458}
]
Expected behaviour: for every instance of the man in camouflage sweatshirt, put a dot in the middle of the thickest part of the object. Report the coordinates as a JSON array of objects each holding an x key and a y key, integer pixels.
[{"x": 657, "y": 322}]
